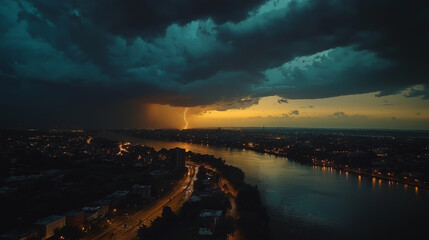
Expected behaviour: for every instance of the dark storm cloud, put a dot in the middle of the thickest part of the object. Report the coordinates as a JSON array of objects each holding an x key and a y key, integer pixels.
[
  {"x": 294, "y": 112},
  {"x": 282, "y": 100},
  {"x": 150, "y": 18},
  {"x": 69, "y": 57},
  {"x": 382, "y": 47},
  {"x": 339, "y": 114},
  {"x": 424, "y": 92}
]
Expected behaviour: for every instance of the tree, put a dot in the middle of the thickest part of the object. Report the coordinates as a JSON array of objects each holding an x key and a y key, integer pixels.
[
  {"x": 254, "y": 219},
  {"x": 201, "y": 175},
  {"x": 225, "y": 226},
  {"x": 157, "y": 230}
]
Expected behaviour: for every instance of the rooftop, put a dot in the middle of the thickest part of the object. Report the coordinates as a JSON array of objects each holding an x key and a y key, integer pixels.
[
  {"x": 48, "y": 220},
  {"x": 211, "y": 213},
  {"x": 74, "y": 213},
  {"x": 118, "y": 194},
  {"x": 142, "y": 186},
  {"x": 205, "y": 232}
]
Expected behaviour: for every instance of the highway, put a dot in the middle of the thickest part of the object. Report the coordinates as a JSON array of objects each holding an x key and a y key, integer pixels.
[{"x": 126, "y": 227}]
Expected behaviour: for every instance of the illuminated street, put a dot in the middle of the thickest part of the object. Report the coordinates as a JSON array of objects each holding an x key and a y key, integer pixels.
[{"x": 127, "y": 228}]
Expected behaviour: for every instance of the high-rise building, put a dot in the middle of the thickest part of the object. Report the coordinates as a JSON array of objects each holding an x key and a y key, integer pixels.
[{"x": 177, "y": 159}]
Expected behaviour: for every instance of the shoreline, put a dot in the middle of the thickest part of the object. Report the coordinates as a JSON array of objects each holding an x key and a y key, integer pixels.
[{"x": 354, "y": 171}]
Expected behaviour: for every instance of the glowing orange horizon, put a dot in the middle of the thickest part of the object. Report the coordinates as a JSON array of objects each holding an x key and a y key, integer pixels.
[{"x": 352, "y": 111}]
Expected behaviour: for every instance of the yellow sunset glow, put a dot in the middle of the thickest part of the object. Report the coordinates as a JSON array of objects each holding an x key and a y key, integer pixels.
[{"x": 352, "y": 111}]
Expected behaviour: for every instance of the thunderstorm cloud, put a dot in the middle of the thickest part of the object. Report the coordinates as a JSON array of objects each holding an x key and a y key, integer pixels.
[{"x": 102, "y": 61}]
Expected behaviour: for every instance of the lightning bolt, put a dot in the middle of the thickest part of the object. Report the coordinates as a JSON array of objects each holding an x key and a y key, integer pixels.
[{"x": 184, "y": 118}]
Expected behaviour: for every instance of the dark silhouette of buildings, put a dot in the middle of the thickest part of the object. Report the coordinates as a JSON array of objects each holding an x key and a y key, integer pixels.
[{"x": 177, "y": 159}]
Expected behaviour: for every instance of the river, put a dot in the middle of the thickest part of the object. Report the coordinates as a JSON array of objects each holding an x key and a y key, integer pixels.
[{"x": 307, "y": 202}]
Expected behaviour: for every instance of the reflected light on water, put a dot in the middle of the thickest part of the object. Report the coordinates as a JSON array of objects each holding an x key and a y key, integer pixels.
[
  {"x": 294, "y": 182},
  {"x": 359, "y": 181}
]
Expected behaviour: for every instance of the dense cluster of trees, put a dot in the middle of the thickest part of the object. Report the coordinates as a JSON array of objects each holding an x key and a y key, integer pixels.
[
  {"x": 201, "y": 175},
  {"x": 182, "y": 226},
  {"x": 253, "y": 221},
  {"x": 253, "y": 217},
  {"x": 234, "y": 174},
  {"x": 164, "y": 227}
]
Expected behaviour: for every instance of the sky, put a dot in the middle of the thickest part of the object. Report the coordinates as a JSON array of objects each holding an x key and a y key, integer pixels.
[{"x": 201, "y": 63}]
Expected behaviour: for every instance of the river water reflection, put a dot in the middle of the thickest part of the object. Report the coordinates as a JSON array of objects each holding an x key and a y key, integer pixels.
[{"x": 307, "y": 202}]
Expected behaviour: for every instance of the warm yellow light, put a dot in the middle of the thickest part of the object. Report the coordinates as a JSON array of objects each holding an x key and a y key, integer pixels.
[
  {"x": 184, "y": 118},
  {"x": 361, "y": 110},
  {"x": 122, "y": 149}
]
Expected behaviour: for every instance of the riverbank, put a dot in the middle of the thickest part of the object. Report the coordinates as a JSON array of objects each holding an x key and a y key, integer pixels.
[
  {"x": 358, "y": 172},
  {"x": 378, "y": 176},
  {"x": 252, "y": 216},
  {"x": 241, "y": 213},
  {"x": 305, "y": 203},
  {"x": 418, "y": 184},
  {"x": 397, "y": 157}
]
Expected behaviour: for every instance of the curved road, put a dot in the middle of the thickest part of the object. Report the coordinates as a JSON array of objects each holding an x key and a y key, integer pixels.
[{"x": 126, "y": 228}]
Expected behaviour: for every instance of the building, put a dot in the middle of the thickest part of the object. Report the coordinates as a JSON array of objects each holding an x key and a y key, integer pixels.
[
  {"x": 177, "y": 159},
  {"x": 195, "y": 198},
  {"x": 209, "y": 192},
  {"x": 75, "y": 218},
  {"x": 118, "y": 194},
  {"x": 157, "y": 174},
  {"x": 142, "y": 190},
  {"x": 208, "y": 219},
  {"x": 96, "y": 211},
  {"x": 116, "y": 198},
  {"x": 50, "y": 224},
  {"x": 25, "y": 234}
]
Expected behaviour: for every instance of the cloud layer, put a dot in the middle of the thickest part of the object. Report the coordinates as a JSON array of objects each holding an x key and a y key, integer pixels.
[{"x": 66, "y": 59}]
